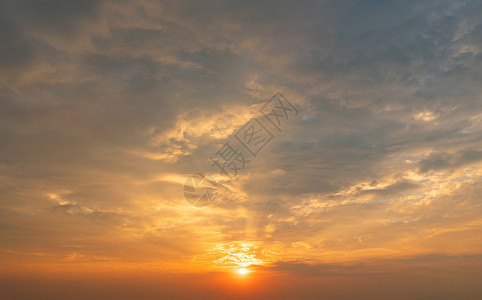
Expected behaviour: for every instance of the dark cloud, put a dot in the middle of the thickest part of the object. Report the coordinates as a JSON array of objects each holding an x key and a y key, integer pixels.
[
  {"x": 50, "y": 15},
  {"x": 394, "y": 189},
  {"x": 19, "y": 18},
  {"x": 398, "y": 266},
  {"x": 444, "y": 161}
]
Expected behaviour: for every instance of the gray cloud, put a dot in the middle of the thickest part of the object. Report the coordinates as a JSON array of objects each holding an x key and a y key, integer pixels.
[{"x": 444, "y": 161}]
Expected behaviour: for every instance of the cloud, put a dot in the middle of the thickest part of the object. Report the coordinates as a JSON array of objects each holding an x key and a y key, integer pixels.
[
  {"x": 106, "y": 107},
  {"x": 445, "y": 161}
]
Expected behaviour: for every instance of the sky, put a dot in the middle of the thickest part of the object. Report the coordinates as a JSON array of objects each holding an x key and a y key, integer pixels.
[{"x": 371, "y": 190}]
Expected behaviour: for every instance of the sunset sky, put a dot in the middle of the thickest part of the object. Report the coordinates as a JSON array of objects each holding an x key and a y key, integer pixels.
[{"x": 373, "y": 191}]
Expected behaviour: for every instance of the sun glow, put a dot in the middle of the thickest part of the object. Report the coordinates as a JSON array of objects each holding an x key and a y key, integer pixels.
[{"x": 242, "y": 271}]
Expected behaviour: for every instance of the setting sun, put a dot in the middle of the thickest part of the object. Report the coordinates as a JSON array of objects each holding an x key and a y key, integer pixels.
[{"x": 242, "y": 271}]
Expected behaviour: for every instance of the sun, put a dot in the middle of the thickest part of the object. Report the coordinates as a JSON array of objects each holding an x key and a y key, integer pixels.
[{"x": 242, "y": 271}]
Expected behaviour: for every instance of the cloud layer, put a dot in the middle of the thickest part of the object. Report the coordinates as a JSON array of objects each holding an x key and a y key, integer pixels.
[{"x": 106, "y": 107}]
